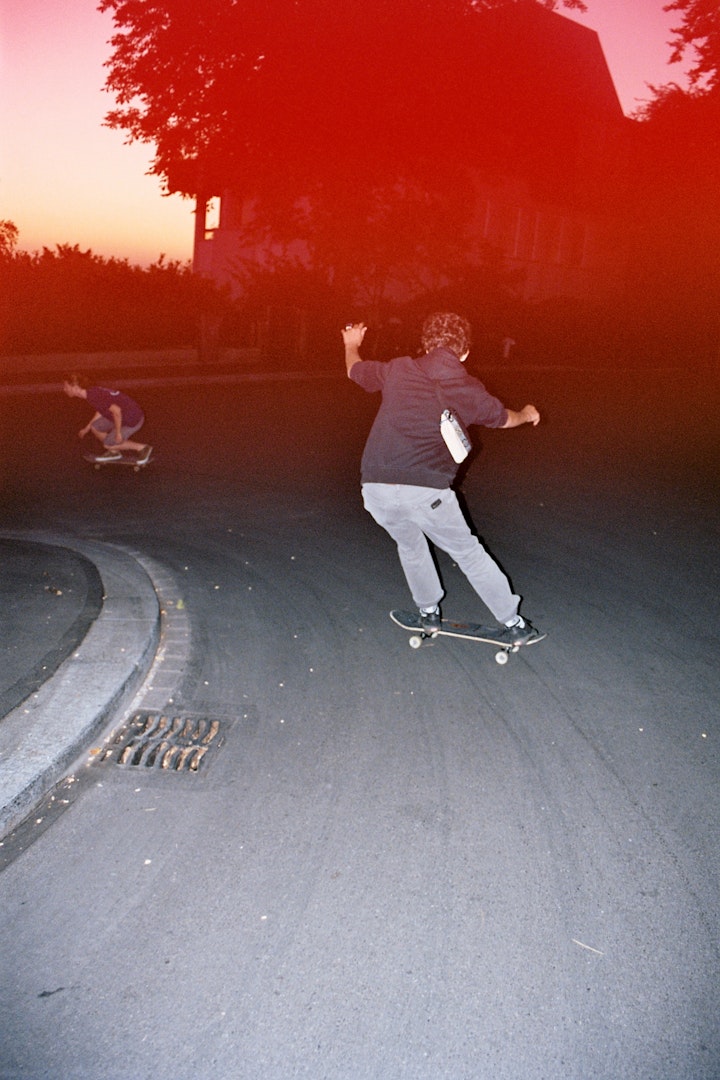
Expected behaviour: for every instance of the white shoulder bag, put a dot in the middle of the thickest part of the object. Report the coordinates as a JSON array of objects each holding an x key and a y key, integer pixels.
[{"x": 455, "y": 437}]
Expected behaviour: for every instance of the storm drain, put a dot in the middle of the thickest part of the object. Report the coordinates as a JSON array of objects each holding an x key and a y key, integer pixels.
[{"x": 160, "y": 741}]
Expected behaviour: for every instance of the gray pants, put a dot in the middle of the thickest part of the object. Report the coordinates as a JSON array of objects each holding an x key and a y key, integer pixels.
[
  {"x": 106, "y": 426},
  {"x": 411, "y": 515}
]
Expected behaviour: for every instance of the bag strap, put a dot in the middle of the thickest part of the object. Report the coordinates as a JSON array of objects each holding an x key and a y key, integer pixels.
[{"x": 435, "y": 384}]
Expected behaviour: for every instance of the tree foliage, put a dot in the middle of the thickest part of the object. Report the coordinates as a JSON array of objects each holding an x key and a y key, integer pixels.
[
  {"x": 249, "y": 90},
  {"x": 351, "y": 125},
  {"x": 674, "y": 219},
  {"x": 674, "y": 212},
  {"x": 698, "y": 31},
  {"x": 8, "y": 238},
  {"x": 69, "y": 300},
  {"x": 400, "y": 238}
]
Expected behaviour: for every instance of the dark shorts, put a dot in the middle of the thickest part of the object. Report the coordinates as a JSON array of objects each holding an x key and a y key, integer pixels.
[{"x": 107, "y": 428}]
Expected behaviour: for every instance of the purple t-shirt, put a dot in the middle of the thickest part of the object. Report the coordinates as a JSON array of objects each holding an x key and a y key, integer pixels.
[
  {"x": 405, "y": 445},
  {"x": 101, "y": 399}
]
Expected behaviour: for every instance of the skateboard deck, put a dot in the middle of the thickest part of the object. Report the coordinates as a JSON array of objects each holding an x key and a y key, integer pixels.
[
  {"x": 126, "y": 459},
  {"x": 410, "y": 620}
]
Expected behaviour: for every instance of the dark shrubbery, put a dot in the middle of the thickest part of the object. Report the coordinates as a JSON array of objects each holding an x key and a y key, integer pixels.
[{"x": 68, "y": 300}]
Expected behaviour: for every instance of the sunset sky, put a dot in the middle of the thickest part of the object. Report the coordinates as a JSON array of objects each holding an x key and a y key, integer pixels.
[{"x": 64, "y": 178}]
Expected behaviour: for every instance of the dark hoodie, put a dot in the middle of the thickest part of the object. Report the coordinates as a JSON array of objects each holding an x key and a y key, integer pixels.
[{"x": 405, "y": 445}]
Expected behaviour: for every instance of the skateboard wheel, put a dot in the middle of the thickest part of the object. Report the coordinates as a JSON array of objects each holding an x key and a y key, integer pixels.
[
  {"x": 415, "y": 642},
  {"x": 501, "y": 657}
]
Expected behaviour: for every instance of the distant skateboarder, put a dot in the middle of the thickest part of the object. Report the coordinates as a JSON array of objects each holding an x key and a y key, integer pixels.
[
  {"x": 408, "y": 470},
  {"x": 116, "y": 418}
]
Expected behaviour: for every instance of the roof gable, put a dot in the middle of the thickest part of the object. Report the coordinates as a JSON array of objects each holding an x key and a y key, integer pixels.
[{"x": 539, "y": 57}]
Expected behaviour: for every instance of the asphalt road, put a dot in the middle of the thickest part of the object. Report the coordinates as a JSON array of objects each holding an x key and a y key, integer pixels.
[{"x": 395, "y": 863}]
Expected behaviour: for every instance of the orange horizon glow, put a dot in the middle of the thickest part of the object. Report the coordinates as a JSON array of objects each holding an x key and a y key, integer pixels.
[{"x": 66, "y": 179}]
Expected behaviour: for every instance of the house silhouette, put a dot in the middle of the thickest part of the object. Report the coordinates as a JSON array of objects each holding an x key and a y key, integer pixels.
[{"x": 547, "y": 150}]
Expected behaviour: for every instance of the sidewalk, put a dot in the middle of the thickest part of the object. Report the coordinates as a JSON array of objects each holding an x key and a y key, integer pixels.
[
  {"x": 23, "y": 374},
  {"x": 79, "y": 627}
]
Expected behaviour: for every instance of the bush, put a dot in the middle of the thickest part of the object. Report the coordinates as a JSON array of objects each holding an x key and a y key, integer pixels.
[{"x": 68, "y": 300}]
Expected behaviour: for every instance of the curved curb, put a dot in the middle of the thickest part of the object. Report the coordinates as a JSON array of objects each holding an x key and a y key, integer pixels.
[
  {"x": 47, "y": 732},
  {"x": 64, "y": 641}
]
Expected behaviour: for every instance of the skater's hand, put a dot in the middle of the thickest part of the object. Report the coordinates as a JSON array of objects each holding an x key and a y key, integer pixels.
[
  {"x": 528, "y": 415},
  {"x": 353, "y": 334}
]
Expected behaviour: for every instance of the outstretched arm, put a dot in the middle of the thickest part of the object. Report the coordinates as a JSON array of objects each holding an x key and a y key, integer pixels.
[
  {"x": 82, "y": 433},
  {"x": 528, "y": 415},
  {"x": 117, "y": 420},
  {"x": 353, "y": 335}
]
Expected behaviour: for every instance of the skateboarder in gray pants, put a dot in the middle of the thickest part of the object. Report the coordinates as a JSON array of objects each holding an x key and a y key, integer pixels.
[{"x": 407, "y": 469}]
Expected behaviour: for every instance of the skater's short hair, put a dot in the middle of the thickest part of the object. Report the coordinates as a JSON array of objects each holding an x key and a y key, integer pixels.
[{"x": 444, "y": 328}]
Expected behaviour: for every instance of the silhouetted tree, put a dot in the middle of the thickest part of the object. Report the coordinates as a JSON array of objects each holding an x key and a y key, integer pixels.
[
  {"x": 69, "y": 300},
  {"x": 8, "y": 238},
  {"x": 674, "y": 221},
  {"x": 267, "y": 93},
  {"x": 351, "y": 126},
  {"x": 399, "y": 236},
  {"x": 699, "y": 31}
]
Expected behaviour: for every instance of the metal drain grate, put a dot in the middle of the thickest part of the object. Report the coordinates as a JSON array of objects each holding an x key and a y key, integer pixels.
[{"x": 154, "y": 740}]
